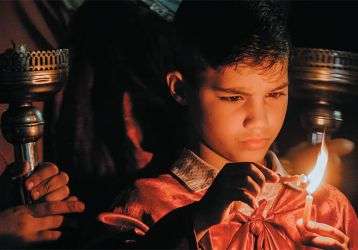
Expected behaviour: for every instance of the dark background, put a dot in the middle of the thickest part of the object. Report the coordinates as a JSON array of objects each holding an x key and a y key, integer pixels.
[{"x": 328, "y": 25}]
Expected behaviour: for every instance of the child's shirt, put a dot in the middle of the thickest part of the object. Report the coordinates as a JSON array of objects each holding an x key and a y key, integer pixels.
[{"x": 271, "y": 226}]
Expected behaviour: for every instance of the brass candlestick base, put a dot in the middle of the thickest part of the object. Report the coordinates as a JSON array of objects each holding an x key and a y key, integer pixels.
[
  {"x": 326, "y": 80},
  {"x": 27, "y": 76}
]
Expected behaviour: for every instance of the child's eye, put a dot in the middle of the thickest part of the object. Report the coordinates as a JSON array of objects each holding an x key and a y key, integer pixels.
[
  {"x": 276, "y": 95},
  {"x": 235, "y": 98}
]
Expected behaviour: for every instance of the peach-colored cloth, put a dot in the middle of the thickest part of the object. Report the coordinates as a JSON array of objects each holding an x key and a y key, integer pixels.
[{"x": 271, "y": 226}]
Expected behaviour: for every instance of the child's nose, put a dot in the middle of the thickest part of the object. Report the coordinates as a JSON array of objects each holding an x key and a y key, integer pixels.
[{"x": 256, "y": 116}]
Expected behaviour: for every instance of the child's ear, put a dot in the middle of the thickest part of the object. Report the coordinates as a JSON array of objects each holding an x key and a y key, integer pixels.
[{"x": 177, "y": 87}]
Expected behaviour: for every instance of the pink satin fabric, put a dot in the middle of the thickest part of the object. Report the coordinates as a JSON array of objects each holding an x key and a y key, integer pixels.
[{"x": 268, "y": 227}]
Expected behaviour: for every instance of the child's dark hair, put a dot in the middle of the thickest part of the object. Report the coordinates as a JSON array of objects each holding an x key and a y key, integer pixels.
[{"x": 223, "y": 33}]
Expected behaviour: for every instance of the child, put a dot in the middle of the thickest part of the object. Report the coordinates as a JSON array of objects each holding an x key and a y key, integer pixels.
[{"x": 224, "y": 191}]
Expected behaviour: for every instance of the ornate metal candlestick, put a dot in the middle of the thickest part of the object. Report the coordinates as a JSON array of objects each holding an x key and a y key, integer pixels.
[
  {"x": 27, "y": 76},
  {"x": 326, "y": 80}
]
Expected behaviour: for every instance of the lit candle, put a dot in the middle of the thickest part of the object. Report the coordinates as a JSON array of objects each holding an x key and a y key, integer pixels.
[{"x": 314, "y": 179}]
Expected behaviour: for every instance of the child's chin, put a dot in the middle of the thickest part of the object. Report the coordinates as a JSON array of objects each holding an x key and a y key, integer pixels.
[{"x": 251, "y": 156}]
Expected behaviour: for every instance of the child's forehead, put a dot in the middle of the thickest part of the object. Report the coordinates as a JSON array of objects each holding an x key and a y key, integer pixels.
[
  {"x": 265, "y": 66},
  {"x": 271, "y": 73}
]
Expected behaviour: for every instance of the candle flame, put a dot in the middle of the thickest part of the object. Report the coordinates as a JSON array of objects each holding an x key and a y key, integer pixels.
[{"x": 316, "y": 175}]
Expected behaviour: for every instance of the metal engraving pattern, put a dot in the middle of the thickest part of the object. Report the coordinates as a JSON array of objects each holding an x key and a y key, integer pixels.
[{"x": 32, "y": 74}]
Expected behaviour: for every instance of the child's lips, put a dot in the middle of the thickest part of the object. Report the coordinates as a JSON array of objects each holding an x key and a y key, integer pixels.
[{"x": 255, "y": 143}]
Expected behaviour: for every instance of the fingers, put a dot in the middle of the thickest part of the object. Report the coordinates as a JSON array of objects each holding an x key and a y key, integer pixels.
[
  {"x": 47, "y": 181},
  {"x": 253, "y": 171},
  {"x": 243, "y": 176},
  {"x": 304, "y": 155},
  {"x": 72, "y": 198},
  {"x": 48, "y": 235},
  {"x": 340, "y": 146},
  {"x": 291, "y": 178},
  {"x": 326, "y": 243},
  {"x": 270, "y": 175},
  {"x": 238, "y": 181},
  {"x": 326, "y": 230},
  {"x": 301, "y": 228},
  {"x": 59, "y": 194},
  {"x": 52, "y": 184},
  {"x": 300, "y": 180},
  {"x": 322, "y": 235},
  {"x": 258, "y": 172},
  {"x": 335, "y": 160},
  {"x": 57, "y": 207},
  {"x": 48, "y": 222},
  {"x": 247, "y": 198},
  {"x": 245, "y": 180},
  {"x": 253, "y": 187},
  {"x": 44, "y": 236},
  {"x": 45, "y": 171}
]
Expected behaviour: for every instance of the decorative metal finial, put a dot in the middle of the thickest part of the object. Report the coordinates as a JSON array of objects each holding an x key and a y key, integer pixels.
[{"x": 27, "y": 76}]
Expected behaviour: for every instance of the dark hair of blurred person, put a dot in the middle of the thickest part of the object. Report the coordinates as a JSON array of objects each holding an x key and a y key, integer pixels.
[{"x": 116, "y": 113}]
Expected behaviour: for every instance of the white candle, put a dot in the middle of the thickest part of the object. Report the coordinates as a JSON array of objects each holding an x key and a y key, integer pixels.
[{"x": 308, "y": 208}]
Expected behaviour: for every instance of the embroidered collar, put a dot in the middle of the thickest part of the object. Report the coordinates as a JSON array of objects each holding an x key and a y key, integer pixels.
[
  {"x": 198, "y": 175},
  {"x": 193, "y": 171}
]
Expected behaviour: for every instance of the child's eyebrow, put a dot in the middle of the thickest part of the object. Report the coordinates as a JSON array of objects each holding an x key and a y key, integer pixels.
[
  {"x": 282, "y": 86},
  {"x": 241, "y": 92},
  {"x": 236, "y": 91}
]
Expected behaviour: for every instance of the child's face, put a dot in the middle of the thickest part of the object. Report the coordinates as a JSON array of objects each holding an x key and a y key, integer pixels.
[{"x": 239, "y": 110}]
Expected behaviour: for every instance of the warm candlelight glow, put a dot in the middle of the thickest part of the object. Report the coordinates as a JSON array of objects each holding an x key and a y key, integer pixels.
[{"x": 316, "y": 176}]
